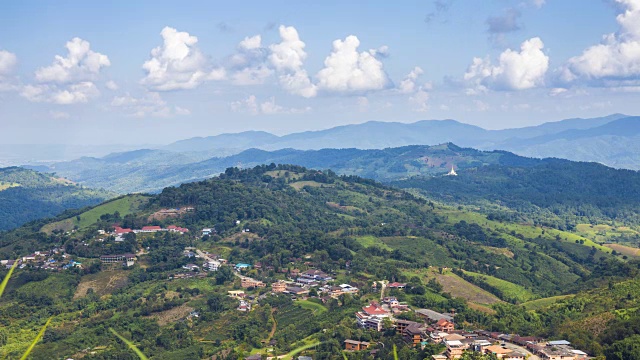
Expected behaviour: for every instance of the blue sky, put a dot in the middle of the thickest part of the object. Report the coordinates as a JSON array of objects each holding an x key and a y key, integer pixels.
[{"x": 159, "y": 71}]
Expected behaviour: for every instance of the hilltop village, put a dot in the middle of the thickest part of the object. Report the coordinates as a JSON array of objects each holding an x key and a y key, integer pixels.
[{"x": 418, "y": 327}]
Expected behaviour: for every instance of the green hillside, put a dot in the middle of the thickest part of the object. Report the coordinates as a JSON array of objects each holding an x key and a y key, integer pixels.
[
  {"x": 27, "y": 195},
  {"x": 355, "y": 229}
]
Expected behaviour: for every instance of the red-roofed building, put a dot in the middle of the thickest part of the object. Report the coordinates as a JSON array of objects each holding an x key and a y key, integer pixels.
[
  {"x": 151, "y": 228},
  {"x": 375, "y": 310},
  {"x": 444, "y": 325},
  {"x": 120, "y": 231},
  {"x": 397, "y": 285}
]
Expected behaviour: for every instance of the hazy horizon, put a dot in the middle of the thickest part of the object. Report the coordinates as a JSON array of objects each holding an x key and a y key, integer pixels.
[{"x": 152, "y": 73}]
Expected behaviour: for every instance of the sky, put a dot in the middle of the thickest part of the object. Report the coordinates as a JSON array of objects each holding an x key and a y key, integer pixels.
[{"x": 153, "y": 72}]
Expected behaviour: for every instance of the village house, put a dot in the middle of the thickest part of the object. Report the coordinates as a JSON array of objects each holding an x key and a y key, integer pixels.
[
  {"x": 124, "y": 259},
  {"x": 397, "y": 285},
  {"x": 317, "y": 275},
  {"x": 295, "y": 290},
  {"x": 191, "y": 267},
  {"x": 455, "y": 349},
  {"x": 433, "y": 316},
  {"x": 247, "y": 282},
  {"x": 236, "y": 294},
  {"x": 497, "y": 350},
  {"x": 208, "y": 231},
  {"x": 212, "y": 265},
  {"x": 444, "y": 325},
  {"x": 414, "y": 334},
  {"x": 278, "y": 286},
  {"x": 353, "y": 345},
  {"x": 371, "y": 317}
]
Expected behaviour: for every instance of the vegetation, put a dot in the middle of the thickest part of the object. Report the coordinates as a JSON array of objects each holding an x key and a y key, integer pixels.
[
  {"x": 26, "y": 195},
  {"x": 353, "y": 228}
]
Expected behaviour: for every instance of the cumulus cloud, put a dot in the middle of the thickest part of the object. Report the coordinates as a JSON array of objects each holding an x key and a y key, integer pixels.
[
  {"x": 111, "y": 85},
  {"x": 408, "y": 84},
  {"x": 516, "y": 70},
  {"x": 149, "y": 105},
  {"x": 616, "y": 60},
  {"x": 248, "y": 65},
  {"x": 420, "y": 100},
  {"x": 178, "y": 63},
  {"x": 8, "y": 63},
  {"x": 80, "y": 64},
  {"x": 80, "y": 92},
  {"x": 252, "y": 106},
  {"x": 69, "y": 79},
  {"x": 288, "y": 57},
  {"x": 347, "y": 70}
]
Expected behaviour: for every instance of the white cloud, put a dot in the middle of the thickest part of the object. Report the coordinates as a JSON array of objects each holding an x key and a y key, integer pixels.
[
  {"x": 59, "y": 114},
  {"x": 346, "y": 70},
  {"x": 251, "y": 43},
  {"x": 69, "y": 79},
  {"x": 481, "y": 105},
  {"x": 616, "y": 59},
  {"x": 248, "y": 65},
  {"x": 80, "y": 64},
  {"x": 420, "y": 100},
  {"x": 287, "y": 57},
  {"x": 111, "y": 85},
  {"x": 408, "y": 84},
  {"x": 8, "y": 63},
  {"x": 80, "y": 92},
  {"x": 178, "y": 63},
  {"x": 252, "y": 106},
  {"x": 538, "y": 3},
  {"x": 150, "y": 105},
  {"x": 516, "y": 70}
]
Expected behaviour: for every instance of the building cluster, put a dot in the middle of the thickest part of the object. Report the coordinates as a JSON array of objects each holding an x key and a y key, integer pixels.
[
  {"x": 52, "y": 260},
  {"x": 119, "y": 232},
  {"x": 122, "y": 259},
  {"x": 439, "y": 328}
]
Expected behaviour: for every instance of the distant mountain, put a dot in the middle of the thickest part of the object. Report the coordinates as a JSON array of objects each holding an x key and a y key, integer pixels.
[
  {"x": 27, "y": 195},
  {"x": 243, "y": 140},
  {"x": 380, "y": 135},
  {"x": 382, "y": 165},
  {"x": 616, "y": 144}
]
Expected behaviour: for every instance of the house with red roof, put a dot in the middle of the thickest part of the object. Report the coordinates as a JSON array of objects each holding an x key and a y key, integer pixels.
[
  {"x": 444, "y": 325},
  {"x": 397, "y": 285},
  {"x": 371, "y": 317},
  {"x": 119, "y": 231}
]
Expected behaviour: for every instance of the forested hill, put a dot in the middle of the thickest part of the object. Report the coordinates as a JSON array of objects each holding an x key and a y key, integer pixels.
[
  {"x": 550, "y": 191},
  {"x": 282, "y": 219},
  {"x": 27, "y": 195}
]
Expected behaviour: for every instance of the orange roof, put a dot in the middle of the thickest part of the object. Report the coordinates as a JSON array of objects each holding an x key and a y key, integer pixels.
[
  {"x": 497, "y": 349},
  {"x": 374, "y": 309},
  {"x": 443, "y": 322}
]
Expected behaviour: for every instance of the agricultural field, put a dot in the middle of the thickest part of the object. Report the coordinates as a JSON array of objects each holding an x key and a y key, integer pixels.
[
  {"x": 510, "y": 290},
  {"x": 370, "y": 240},
  {"x": 315, "y": 308},
  {"x": 7, "y": 185},
  {"x": 125, "y": 205},
  {"x": 544, "y": 302},
  {"x": 459, "y": 287},
  {"x": 298, "y": 185},
  {"x": 624, "y": 250},
  {"x": 454, "y": 216},
  {"x": 102, "y": 283}
]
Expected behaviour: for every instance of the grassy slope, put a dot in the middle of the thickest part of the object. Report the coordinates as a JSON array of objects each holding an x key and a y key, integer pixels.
[
  {"x": 544, "y": 302},
  {"x": 528, "y": 231},
  {"x": 316, "y": 308},
  {"x": 509, "y": 289},
  {"x": 124, "y": 205}
]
